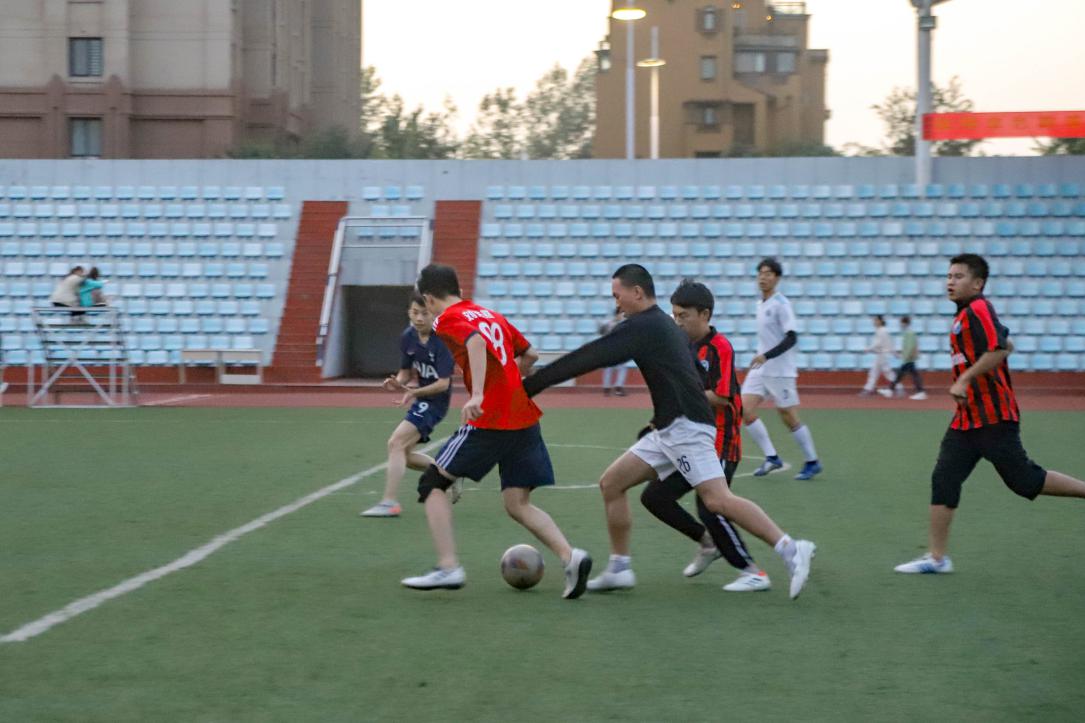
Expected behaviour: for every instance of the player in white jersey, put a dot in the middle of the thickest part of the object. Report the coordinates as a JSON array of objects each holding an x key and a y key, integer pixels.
[{"x": 773, "y": 373}]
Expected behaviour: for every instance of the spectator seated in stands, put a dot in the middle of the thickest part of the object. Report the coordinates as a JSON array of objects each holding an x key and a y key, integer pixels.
[
  {"x": 90, "y": 289},
  {"x": 66, "y": 292}
]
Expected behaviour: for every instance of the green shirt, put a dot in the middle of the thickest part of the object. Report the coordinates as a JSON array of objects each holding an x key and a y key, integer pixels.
[{"x": 909, "y": 346}]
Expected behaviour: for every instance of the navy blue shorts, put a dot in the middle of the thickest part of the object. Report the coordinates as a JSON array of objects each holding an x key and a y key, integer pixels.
[
  {"x": 425, "y": 417},
  {"x": 520, "y": 455}
]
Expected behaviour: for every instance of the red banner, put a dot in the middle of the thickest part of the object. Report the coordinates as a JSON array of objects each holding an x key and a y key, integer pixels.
[{"x": 975, "y": 126}]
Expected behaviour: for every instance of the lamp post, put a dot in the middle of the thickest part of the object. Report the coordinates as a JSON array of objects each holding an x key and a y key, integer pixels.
[
  {"x": 655, "y": 63},
  {"x": 629, "y": 14},
  {"x": 926, "y": 24}
]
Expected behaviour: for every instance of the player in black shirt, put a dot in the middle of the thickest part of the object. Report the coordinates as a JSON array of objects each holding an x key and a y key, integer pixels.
[{"x": 683, "y": 428}]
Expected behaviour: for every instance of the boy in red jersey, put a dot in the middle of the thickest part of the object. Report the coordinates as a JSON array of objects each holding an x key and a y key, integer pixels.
[
  {"x": 691, "y": 305},
  {"x": 986, "y": 424},
  {"x": 500, "y": 427}
]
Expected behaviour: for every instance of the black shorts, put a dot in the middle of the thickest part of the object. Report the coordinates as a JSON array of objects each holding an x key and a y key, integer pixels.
[
  {"x": 520, "y": 455},
  {"x": 999, "y": 444}
]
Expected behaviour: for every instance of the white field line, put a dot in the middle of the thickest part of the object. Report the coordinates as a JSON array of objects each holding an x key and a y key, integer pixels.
[
  {"x": 175, "y": 400},
  {"x": 190, "y": 558}
]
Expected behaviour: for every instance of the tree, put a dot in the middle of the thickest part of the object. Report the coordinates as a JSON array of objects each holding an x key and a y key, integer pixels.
[
  {"x": 497, "y": 132},
  {"x": 898, "y": 113},
  {"x": 415, "y": 134},
  {"x": 559, "y": 114},
  {"x": 1061, "y": 147}
]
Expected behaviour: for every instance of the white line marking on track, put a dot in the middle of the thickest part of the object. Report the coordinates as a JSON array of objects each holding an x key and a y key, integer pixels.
[
  {"x": 190, "y": 558},
  {"x": 175, "y": 400}
]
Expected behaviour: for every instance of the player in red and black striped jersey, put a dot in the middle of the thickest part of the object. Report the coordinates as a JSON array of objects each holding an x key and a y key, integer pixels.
[
  {"x": 986, "y": 424},
  {"x": 692, "y": 305}
]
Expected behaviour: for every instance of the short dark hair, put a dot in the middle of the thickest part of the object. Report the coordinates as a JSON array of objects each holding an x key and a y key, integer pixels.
[
  {"x": 906, "y": 320},
  {"x": 880, "y": 318},
  {"x": 93, "y": 273},
  {"x": 772, "y": 265},
  {"x": 694, "y": 295},
  {"x": 977, "y": 265},
  {"x": 438, "y": 280},
  {"x": 416, "y": 298},
  {"x": 636, "y": 275}
]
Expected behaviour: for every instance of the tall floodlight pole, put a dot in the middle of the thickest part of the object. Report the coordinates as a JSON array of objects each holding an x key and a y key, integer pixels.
[
  {"x": 926, "y": 24},
  {"x": 655, "y": 63},
  {"x": 630, "y": 14}
]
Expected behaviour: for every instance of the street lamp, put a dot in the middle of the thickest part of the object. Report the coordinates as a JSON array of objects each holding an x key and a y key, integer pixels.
[
  {"x": 655, "y": 63},
  {"x": 629, "y": 14},
  {"x": 926, "y": 23}
]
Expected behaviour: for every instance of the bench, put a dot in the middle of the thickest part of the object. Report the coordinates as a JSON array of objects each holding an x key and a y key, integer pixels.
[{"x": 220, "y": 358}]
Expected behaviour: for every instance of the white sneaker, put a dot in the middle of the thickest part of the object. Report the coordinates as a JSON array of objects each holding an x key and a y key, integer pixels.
[
  {"x": 576, "y": 574},
  {"x": 926, "y": 565},
  {"x": 705, "y": 556},
  {"x": 800, "y": 565},
  {"x": 455, "y": 491},
  {"x": 749, "y": 582},
  {"x": 438, "y": 579},
  {"x": 383, "y": 509},
  {"x": 3, "y": 387},
  {"x": 887, "y": 393},
  {"x": 919, "y": 396},
  {"x": 609, "y": 580}
]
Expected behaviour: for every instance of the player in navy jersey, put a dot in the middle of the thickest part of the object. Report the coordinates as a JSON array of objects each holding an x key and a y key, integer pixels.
[
  {"x": 986, "y": 424},
  {"x": 424, "y": 357},
  {"x": 691, "y": 305}
]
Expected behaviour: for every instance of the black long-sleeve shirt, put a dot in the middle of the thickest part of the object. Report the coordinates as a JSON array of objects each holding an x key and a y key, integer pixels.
[{"x": 661, "y": 351}]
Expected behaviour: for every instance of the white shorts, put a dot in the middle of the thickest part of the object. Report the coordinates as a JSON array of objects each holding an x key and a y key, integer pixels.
[
  {"x": 683, "y": 446},
  {"x": 781, "y": 390}
]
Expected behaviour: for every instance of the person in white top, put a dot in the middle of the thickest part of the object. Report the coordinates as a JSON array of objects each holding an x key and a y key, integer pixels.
[
  {"x": 881, "y": 344},
  {"x": 66, "y": 292},
  {"x": 773, "y": 373}
]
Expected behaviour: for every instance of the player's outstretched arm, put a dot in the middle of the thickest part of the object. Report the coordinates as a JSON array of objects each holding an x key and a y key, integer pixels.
[{"x": 617, "y": 347}]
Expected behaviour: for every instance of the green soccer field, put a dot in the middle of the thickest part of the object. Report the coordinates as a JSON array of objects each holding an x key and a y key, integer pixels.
[{"x": 304, "y": 619}]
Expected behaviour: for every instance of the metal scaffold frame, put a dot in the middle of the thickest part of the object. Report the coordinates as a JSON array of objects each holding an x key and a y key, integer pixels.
[{"x": 82, "y": 352}]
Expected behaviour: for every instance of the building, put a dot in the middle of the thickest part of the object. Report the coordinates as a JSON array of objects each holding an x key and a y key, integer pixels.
[
  {"x": 739, "y": 79},
  {"x": 170, "y": 79}
]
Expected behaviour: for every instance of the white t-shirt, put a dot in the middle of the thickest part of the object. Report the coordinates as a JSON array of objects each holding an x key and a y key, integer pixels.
[
  {"x": 774, "y": 319},
  {"x": 67, "y": 291},
  {"x": 881, "y": 343}
]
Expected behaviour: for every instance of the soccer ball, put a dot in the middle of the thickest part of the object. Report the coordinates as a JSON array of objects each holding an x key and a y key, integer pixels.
[{"x": 522, "y": 566}]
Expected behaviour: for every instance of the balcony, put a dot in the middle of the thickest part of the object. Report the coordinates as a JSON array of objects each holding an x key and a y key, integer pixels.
[{"x": 787, "y": 8}]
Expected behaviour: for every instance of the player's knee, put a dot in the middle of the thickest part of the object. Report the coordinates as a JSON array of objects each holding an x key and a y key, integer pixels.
[{"x": 431, "y": 479}]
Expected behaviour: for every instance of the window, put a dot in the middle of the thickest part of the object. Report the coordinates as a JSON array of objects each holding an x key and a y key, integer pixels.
[
  {"x": 785, "y": 62},
  {"x": 710, "y": 117},
  {"x": 85, "y": 57},
  {"x": 708, "y": 67},
  {"x": 709, "y": 20},
  {"x": 86, "y": 137},
  {"x": 749, "y": 62}
]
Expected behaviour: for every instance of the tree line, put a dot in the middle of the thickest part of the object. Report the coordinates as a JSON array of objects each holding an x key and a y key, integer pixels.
[{"x": 556, "y": 120}]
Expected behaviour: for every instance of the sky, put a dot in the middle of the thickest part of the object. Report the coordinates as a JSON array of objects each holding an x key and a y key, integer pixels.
[{"x": 1009, "y": 54}]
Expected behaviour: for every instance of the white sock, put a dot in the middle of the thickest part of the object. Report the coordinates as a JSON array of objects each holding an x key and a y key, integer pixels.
[
  {"x": 806, "y": 441},
  {"x": 619, "y": 563},
  {"x": 785, "y": 548},
  {"x": 760, "y": 435}
]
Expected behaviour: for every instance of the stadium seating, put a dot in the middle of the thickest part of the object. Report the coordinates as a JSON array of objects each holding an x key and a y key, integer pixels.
[{"x": 546, "y": 253}]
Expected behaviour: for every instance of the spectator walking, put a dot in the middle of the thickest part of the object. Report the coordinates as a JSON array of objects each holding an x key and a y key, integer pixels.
[
  {"x": 909, "y": 355},
  {"x": 881, "y": 344}
]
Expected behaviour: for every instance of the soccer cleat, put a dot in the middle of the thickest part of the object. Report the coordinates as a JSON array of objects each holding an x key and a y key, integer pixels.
[
  {"x": 919, "y": 396},
  {"x": 800, "y": 565},
  {"x": 438, "y": 579},
  {"x": 770, "y": 464},
  {"x": 887, "y": 393},
  {"x": 809, "y": 470},
  {"x": 705, "y": 556},
  {"x": 609, "y": 580},
  {"x": 749, "y": 582},
  {"x": 926, "y": 565},
  {"x": 619, "y": 392},
  {"x": 576, "y": 574},
  {"x": 456, "y": 491},
  {"x": 383, "y": 509}
]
